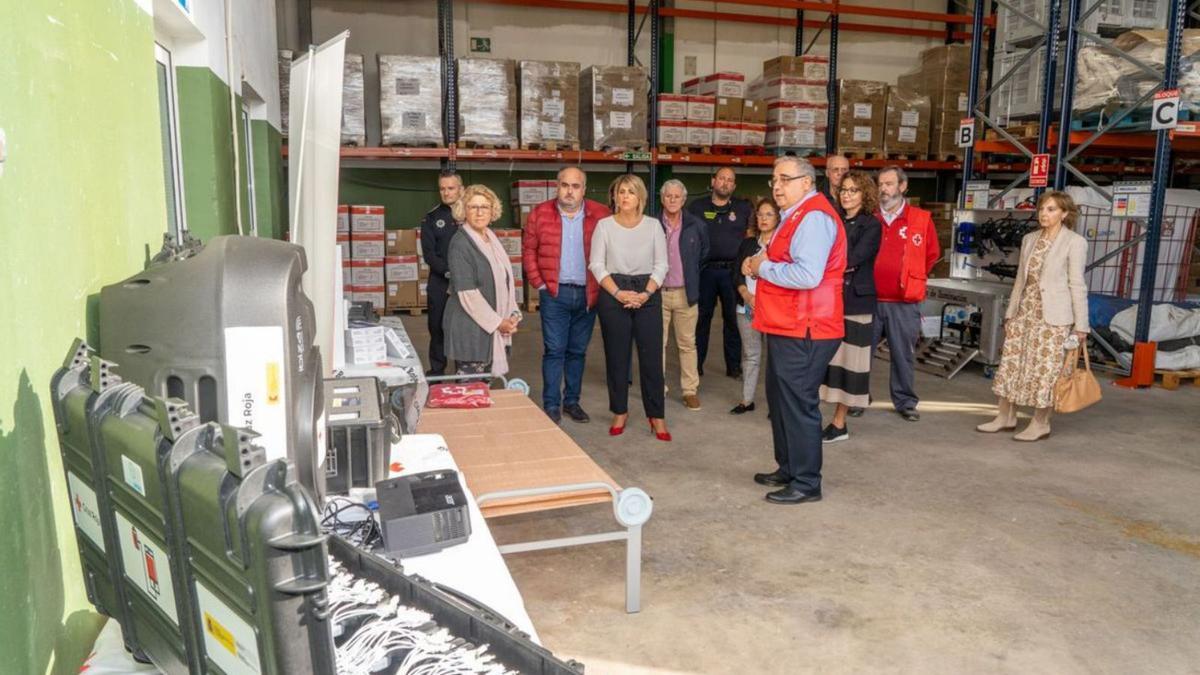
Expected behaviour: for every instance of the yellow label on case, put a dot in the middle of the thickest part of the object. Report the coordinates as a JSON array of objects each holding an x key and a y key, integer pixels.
[
  {"x": 272, "y": 383},
  {"x": 220, "y": 633}
]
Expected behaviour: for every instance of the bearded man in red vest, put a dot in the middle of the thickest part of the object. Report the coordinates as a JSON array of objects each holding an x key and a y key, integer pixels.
[{"x": 798, "y": 305}]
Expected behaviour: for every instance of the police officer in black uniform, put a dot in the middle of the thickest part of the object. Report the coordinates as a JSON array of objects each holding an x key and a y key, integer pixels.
[
  {"x": 437, "y": 228},
  {"x": 727, "y": 218}
]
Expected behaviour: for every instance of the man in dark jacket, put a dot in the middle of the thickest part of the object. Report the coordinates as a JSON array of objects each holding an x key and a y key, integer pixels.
[
  {"x": 726, "y": 218},
  {"x": 836, "y": 168},
  {"x": 687, "y": 247},
  {"x": 437, "y": 228},
  {"x": 555, "y": 247}
]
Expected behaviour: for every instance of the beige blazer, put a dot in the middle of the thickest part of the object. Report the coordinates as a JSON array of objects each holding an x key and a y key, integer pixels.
[{"x": 1064, "y": 291}]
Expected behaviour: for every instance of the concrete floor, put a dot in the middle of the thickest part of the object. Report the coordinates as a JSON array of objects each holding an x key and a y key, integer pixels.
[{"x": 935, "y": 550}]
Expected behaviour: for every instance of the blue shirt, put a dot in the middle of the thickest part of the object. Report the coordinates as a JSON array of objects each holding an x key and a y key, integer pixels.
[
  {"x": 810, "y": 247},
  {"x": 572, "y": 264}
]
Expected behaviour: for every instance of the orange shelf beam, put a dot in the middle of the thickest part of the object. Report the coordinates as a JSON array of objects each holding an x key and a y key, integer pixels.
[{"x": 1135, "y": 144}]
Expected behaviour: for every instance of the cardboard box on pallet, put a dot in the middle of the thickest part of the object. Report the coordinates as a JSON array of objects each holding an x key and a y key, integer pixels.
[
  {"x": 343, "y": 242},
  {"x": 754, "y": 135},
  {"x": 529, "y": 192},
  {"x": 549, "y": 103},
  {"x": 943, "y": 134},
  {"x": 791, "y": 114},
  {"x": 343, "y": 221},
  {"x": 410, "y": 100},
  {"x": 728, "y": 109},
  {"x": 672, "y": 132},
  {"x": 672, "y": 107},
  {"x": 804, "y": 67},
  {"x": 700, "y": 133},
  {"x": 690, "y": 87},
  {"x": 354, "y": 118},
  {"x": 403, "y": 294},
  {"x": 367, "y": 245},
  {"x": 366, "y": 271},
  {"x": 793, "y": 89},
  {"x": 613, "y": 108},
  {"x": 510, "y": 239},
  {"x": 402, "y": 268},
  {"x": 422, "y": 293},
  {"x": 403, "y": 242},
  {"x": 487, "y": 103},
  {"x": 727, "y": 84},
  {"x": 754, "y": 111},
  {"x": 906, "y": 126},
  {"x": 366, "y": 218},
  {"x": 727, "y": 133},
  {"x": 862, "y": 110},
  {"x": 373, "y": 294},
  {"x": 795, "y": 137},
  {"x": 518, "y": 270},
  {"x": 701, "y": 108}
]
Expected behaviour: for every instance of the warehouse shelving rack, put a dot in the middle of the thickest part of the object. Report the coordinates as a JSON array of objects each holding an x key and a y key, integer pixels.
[{"x": 1068, "y": 147}]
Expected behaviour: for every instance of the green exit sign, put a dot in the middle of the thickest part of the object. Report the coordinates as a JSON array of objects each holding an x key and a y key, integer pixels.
[
  {"x": 481, "y": 45},
  {"x": 634, "y": 156}
]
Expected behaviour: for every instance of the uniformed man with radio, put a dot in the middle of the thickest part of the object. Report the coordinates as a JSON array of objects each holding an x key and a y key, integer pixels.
[
  {"x": 437, "y": 228},
  {"x": 727, "y": 218}
]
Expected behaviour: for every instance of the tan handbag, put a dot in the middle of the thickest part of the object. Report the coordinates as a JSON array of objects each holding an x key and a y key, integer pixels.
[{"x": 1076, "y": 388}]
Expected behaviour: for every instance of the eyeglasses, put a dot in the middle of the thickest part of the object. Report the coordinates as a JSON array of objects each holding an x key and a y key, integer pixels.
[
  {"x": 849, "y": 191},
  {"x": 479, "y": 207},
  {"x": 783, "y": 180}
]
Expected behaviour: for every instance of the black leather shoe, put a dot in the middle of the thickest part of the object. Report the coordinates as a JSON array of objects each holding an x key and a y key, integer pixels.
[
  {"x": 741, "y": 409},
  {"x": 554, "y": 414},
  {"x": 911, "y": 415},
  {"x": 775, "y": 478},
  {"x": 735, "y": 373},
  {"x": 856, "y": 412},
  {"x": 576, "y": 413},
  {"x": 790, "y": 495}
]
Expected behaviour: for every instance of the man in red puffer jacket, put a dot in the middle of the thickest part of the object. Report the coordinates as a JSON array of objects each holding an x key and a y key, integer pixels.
[
  {"x": 907, "y": 252},
  {"x": 555, "y": 247}
]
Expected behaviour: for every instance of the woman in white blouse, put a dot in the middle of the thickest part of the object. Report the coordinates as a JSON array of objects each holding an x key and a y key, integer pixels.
[{"x": 629, "y": 258}]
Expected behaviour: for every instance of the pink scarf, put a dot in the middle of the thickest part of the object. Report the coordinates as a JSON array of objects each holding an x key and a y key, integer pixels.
[{"x": 478, "y": 308}]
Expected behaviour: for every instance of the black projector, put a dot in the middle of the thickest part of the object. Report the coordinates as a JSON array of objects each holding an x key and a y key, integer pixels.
[{"x": 422, "y": 513}]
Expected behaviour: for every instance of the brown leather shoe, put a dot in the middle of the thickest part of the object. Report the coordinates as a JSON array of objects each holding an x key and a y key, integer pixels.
[{"x": 691, "y": 402}]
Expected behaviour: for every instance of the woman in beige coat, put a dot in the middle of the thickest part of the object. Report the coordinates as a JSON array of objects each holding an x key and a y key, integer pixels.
[{"x": 1048, "y": 303}]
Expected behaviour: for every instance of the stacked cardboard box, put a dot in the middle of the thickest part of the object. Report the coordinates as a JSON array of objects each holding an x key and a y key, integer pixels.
[
  {"x": 728, "y": 84},
  {"x": 402, "y": 269},
  {"x": 549, "y": 104},
  {"x": 862, "y": 111},
  {"x": 790, "y": 84},
  {"x": 754, "y": 122},
  {"x": 702, "y": 119},
  {"x": 944, "y": 76},
  {"x": 613, "y": 108},
  {"x": 487, "y": 103},
  {"x": 410, "y": 100},
  {"x": 362, "y": 273},
  {"x": 701, "y": 113},
  {"x": 365, "y": 344},
  {"x": 906, "y": 128},
  {"x": 525, "y": 194},
  {"x": 354, "y": 112}
]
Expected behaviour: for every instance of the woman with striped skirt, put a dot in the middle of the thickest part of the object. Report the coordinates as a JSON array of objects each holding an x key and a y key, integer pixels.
[{"x": 848, "y": 378}]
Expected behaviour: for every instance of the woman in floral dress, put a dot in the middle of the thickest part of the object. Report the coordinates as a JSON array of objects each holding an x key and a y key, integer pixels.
[{"x": 1048, "y": 303}]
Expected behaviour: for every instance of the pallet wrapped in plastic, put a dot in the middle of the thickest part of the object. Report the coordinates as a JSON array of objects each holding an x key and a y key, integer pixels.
[
  {"x": 862, "y": 109},
  {"x": 487, "y": 103},
  {"x": 906, "y": 124},
  {"x": 1105, "y": 81},
  {"x": 354, "y": 119},
  {"x": 549, "y": 104},
  {"x": 285, "y": 89},
  {"x": 944, "y": 76},
  {"x": 614, "y": 108},
  {"x": 410, "y": 100}
]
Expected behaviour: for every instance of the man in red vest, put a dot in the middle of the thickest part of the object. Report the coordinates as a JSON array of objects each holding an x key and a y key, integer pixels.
[
  {"x": 798, "y": 304},
  {"x": 907, "y": 253}
]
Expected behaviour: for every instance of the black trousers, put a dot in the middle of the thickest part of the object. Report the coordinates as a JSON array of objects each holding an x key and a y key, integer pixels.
[
  {"x": 795, "y": 370},
  {"x": 716, "y": 283},
  {"x": 437, "y": 293},
  {"x": 622, "y": 329}
]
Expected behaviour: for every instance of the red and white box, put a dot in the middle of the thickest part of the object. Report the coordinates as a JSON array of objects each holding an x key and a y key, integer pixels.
[
  {"x": 701, "y": 108},
  {"x": 518, "y": 270},
  {"x": 754, "y": 134},
  {"x": 376, "y": 295},
  {"x": 511, "y": 240},
  {"x": 793, "y": 114},
  {"x": 399, "y": 268},
  {"x": 723, "y": 84},
  {"x": 366, "y": 272},
  {"x": 672, "y": 107},
  {"x": 347, "y": 274},
  {"x": 343, "y": 222},
  {"x": 790, "y": 89},
  {"x": 528, "y": 192},
  {"x": 672, "y": 132},
  {"x": 366, "y": 218},
  {"x": 727, "y": 133},
  {"x": 700, "y": 133},
  {"x": 691, "y": 86},
  {"x": 367, "y": 244},
  {"x": 343, "y": 242}
]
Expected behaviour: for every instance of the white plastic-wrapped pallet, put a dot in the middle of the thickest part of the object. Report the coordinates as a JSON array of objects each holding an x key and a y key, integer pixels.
[
  {"x": 285, "y": 88},
  {"x": 410, "y": 100},
  {"x": 549, "y": 104},
  {"x": 354, "y": 121},
  {"x": 487, "y": 103}
]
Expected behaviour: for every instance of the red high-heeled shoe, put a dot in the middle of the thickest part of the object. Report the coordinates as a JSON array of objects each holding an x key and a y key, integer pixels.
[
  {"x": 660, "y": 435},
  {"x": 617, "y": 431}
]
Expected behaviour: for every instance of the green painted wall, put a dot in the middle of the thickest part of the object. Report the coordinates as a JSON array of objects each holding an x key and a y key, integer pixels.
[
  {"x": 206, "y": 152},
  {"x": 270, "y": 179},
  {"x": 82, "y": 200}
]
